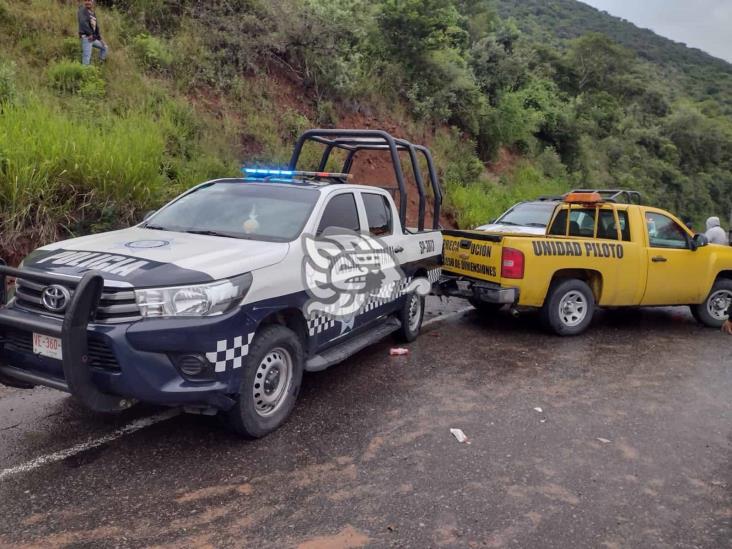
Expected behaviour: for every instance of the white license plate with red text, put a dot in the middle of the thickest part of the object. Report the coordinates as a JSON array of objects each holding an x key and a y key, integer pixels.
[{"x": 47, "y": 346}]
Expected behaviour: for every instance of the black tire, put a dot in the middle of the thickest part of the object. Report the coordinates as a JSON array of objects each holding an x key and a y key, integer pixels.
[
  {"x": 484, "y": 308},
  {"x": 411, "y": 325},
  {"x": 570, "y": 322},
  {"x": 248, "y": 417},
  {"x": 711, "y": 312}
]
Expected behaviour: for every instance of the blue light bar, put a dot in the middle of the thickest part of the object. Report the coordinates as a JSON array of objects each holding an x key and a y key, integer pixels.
[
  {"x": 261, "y": 172},
  {"x": 289, "y": 174}
]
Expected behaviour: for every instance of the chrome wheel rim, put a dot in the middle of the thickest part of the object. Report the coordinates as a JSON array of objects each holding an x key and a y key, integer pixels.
[
  {"x": 573, "y": 308},
  {"x": 718, "y": 303},
  {"x": 415, "y": 312},
  {"x": 272, "y": 381}
]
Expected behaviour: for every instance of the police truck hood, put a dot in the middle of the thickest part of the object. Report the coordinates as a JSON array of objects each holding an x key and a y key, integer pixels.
[{"x": 146, "y": 257}]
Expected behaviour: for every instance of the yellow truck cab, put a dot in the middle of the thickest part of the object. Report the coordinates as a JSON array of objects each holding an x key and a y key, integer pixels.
[{"x": 602, "y": 248}]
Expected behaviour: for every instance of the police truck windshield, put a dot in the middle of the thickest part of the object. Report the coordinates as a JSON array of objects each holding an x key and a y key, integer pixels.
[{"x": 236, "y": 209}]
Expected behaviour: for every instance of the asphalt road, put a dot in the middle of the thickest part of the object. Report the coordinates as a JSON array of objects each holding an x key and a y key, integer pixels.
[{"x": 631, "y": 448}]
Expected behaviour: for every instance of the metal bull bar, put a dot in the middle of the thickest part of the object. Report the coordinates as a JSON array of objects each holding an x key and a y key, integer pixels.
[{"x": 72, "y": 332}]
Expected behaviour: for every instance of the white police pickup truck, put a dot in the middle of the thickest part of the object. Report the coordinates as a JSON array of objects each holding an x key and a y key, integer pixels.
[{"x": 221, "y": 299}]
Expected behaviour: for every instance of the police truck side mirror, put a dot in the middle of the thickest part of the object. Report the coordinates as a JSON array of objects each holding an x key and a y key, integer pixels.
[
  {"x": 699, "y": 241},
  {"x": 148, "y": 215}
]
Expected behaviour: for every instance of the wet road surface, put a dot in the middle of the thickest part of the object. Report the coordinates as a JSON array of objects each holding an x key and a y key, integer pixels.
[{"x": 632, "y": 448}]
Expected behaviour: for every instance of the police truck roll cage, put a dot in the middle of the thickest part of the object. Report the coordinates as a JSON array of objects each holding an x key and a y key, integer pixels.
[{"x": 354, "y": 141}]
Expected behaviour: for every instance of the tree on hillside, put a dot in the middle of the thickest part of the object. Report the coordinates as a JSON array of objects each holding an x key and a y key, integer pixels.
[{"x": 598, "y": 63}]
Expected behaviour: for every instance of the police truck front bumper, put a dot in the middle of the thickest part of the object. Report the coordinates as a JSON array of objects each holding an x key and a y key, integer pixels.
[{"x": 110, "y": 366}]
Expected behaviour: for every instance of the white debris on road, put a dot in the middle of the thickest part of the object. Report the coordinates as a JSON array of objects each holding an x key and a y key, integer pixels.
[{"x": 459, "y": 435}]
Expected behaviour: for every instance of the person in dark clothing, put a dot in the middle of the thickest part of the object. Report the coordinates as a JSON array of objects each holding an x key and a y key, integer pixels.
[
  {"x": 89, "y": 33},
  {"x": 727, "y": 326}
]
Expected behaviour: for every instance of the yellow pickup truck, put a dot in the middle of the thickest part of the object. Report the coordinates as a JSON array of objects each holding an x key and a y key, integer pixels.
[{"x": 601, "y": 248}]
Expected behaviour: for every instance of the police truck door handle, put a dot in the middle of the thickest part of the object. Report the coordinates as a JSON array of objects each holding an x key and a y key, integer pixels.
[
  {"x": 398, "y": 250},
  {"x": 659, "y": 259}
]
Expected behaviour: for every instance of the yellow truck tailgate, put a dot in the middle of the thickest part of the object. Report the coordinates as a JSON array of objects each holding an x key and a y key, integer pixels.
[{"x": 472, "y": 253}]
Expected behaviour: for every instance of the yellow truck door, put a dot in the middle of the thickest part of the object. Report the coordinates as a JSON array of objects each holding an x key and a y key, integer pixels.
[
  {"x": 603, "y": 233},
  {"x": 675, "y": 274}
]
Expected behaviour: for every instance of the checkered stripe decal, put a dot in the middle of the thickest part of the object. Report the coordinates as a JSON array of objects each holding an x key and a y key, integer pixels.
[
  {"x": 320, "y": 323},
  {"x": 433, "y": 275},
  {"x": 230, "y": 355},
  {"x": 386, "y": 295}
]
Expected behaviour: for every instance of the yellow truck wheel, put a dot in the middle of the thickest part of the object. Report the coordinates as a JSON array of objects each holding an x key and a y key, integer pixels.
[
  {"x": 713, "y": 311},
  {"x": 568, "y": 308}
]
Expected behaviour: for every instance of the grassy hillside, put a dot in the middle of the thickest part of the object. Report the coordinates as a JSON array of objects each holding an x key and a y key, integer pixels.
[{"x": 192, "y": 90}]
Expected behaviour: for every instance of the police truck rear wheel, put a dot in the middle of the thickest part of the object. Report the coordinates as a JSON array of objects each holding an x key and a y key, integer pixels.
[
  {"x": 411, "y": 316},
  {"x": 270, "y": 382},
  {"x": 568, "y": 308},
  {"x": 713, "y": 311}
]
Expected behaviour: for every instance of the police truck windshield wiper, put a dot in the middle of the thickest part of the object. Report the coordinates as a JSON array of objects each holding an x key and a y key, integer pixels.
[
  {"x": 156, "y": 227},
  {"x": 212, "y": 233}
]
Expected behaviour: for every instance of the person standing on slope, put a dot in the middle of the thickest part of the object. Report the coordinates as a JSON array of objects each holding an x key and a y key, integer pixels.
[
  {"x": 89, "y": 33},
  {"x": 715, "y": 233}
]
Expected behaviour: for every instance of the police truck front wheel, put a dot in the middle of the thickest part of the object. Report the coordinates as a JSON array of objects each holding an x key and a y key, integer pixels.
[
  {"x": 568, "y": 308},
  {"x": 713, "y": 312},
  {"x": 411, "y": 315},
  {"x": 270, "y": 382}
]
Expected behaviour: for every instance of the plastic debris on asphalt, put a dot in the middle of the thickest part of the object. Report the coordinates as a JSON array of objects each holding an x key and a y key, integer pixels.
[
  {"x": 459, "y": 435},
  {"x": 537, "y": 409},
  {"x": 603, "y": 440},
  {"x": 398, "y": 351}
]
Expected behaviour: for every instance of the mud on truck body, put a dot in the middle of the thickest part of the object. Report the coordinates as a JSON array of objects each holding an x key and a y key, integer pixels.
[{"x": 221, "y": 299}]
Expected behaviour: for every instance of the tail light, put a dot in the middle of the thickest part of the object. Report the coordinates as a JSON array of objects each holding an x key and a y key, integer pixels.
[{"x": 512, "y": 263}]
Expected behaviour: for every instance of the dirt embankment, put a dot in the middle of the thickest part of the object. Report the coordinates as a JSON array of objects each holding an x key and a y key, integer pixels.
[{"x": 369, "y": 168}]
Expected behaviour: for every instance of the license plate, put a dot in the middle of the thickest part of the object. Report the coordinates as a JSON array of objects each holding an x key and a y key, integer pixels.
[{"x": 47, "y": 346}]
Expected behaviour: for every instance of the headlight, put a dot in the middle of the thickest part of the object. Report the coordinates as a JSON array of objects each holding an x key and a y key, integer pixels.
[{"x": 210, "y": 299}]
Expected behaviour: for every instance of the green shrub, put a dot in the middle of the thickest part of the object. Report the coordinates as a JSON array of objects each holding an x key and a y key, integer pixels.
[
  {"x": 152, "y": 52},
  {"x": 5, "y": 16},
  {"x": 479, "y": 203},
  {"x": 72, "y": 77},
  {"x": 71, "y": 48},
  {"x": 7, "y": 83}
]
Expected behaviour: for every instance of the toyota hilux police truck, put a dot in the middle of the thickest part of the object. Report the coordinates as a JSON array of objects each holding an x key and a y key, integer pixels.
[{"x": 221, "y": 299}]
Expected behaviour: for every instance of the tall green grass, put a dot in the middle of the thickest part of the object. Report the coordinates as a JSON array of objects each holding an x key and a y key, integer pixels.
[
  {"x": 57, "y": 170},
  {"x": 482, "y": 202}
]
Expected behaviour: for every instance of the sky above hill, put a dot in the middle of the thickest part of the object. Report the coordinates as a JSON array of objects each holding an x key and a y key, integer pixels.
[{"x": 703, "y": 24}]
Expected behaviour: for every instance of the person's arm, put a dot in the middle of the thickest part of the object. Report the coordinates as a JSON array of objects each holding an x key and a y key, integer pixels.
[{"x": 85, "y": 28}]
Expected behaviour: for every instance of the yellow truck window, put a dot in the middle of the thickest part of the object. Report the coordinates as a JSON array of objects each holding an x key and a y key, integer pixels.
[
  {"x": 624, "y": 225},
  {"x": 582, "y": 222},
  {"x": 559, "y": 225},
  {"x": 663, "y": 232},
  {"x": 607, "y": 228}
]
